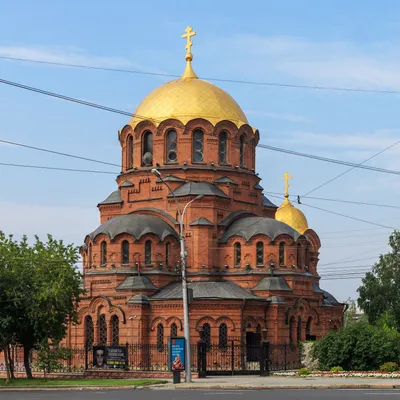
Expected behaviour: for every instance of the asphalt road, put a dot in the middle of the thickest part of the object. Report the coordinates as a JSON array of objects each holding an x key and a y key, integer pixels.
[{"x": 280, "y": 394}]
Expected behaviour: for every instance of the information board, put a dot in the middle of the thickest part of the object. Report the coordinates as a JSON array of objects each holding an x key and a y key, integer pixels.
[
  {"x": 109, "y": 357},
  {"x": 177, "y": 354}
]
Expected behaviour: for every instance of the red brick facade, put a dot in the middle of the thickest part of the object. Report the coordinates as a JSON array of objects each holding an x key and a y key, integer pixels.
[{"x": 290, "y": 303}]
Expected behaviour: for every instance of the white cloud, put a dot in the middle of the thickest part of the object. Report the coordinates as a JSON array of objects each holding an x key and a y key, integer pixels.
[{"x": 339, "y": 63}]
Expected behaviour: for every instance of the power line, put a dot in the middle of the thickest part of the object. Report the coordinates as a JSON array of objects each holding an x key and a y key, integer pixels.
[
  {"x": 264, "y": 146},
  {"x": 346, "y": 262},
  {"x": 260, "y": 83},
  {"x": 329, "y": 160},
  {"x": 57, "y": 152},
  {"x": 350, "y": 169},
  {"x": 57, "y": 169},
  {"x": 337, "y": 200},
  {"x": 348, "y": 216}
]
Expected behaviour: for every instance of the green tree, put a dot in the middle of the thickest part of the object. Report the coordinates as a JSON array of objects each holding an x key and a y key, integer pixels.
[
  {"x": 379, "y": 292},
  {"x": 49, "y": 357},
  {"x": 44, "y": 290}
]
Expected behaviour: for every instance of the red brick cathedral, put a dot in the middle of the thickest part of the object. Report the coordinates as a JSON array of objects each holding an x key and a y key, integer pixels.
[{"x": 250, "y": 264}]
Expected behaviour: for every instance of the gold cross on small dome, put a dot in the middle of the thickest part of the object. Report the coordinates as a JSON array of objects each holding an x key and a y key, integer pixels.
[
  {"x": 286, "y": 178},
  {"x": 188, "y": 36}
]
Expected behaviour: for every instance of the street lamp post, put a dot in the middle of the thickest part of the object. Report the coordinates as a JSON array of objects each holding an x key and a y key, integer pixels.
[{"x": 188, "y": 372}]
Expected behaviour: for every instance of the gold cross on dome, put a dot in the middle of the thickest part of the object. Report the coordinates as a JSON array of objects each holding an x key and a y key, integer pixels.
[
  {"x": 286, "y": 178},
  {"x": 188, "y": 35}
]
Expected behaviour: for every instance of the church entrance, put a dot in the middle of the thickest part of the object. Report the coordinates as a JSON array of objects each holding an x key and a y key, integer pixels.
[{"x": 253, "y": 341}]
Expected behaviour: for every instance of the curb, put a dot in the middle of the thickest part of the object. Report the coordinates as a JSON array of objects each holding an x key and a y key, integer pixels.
[
  {"x": 285, "y": 387},
  {"x": 69, "y": 388}
]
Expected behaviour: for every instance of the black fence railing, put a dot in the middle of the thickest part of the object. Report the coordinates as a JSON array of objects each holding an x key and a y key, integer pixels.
[{"x": 233, "y": 357}]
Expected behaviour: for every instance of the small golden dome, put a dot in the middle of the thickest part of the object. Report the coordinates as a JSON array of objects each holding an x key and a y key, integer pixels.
[
  {"x": 288, "y": 213},
  {"x": 187, "y": 98},
  {"x": 292, "y": 216}
]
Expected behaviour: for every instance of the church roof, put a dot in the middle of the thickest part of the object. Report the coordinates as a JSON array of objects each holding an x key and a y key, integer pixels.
[
  {"x": 273, "y": 283},
  {"x": 188, "y": 98},
  {"x": 127, "y": 183},
  {"x": 207, "y": 290},
  {"x": 225, "y": 179},
  {"x": 201, "y": 221},
  {"x": 136, "y": 225},
  {"x": 257, "y": 186},
  {"x": 139, "y": 299},
  {"x": 196, "y": 188},
  {"x": 267, "y": 202},
  {"x": 170, "y": 178},
  {"x": 113, "y": 198},
  {"x": 248, "y": 227},
  {"x": 136, "y": 283}
]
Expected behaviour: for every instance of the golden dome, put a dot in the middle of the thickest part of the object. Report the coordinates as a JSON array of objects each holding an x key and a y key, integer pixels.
[
  {"x": 288, "y": 213},
  {"x": 292, "y": 216},
  {"x": 187, "y": 98}
]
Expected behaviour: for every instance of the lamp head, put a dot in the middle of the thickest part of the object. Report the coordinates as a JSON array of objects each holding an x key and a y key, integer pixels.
[
  {"x": 199, "y": 197},
  {"x": 156, "y": 172}
]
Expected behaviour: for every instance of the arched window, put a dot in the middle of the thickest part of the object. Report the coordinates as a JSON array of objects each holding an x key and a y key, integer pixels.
[
  {"x": 299, "y": 329},
  {"x": 129, "y": 152},
  {"x": 223, "y": 148},
  {"x": 291, "y": 328},
  {"x": 172, "y": 154},
  {"x": 238, "y": 254},
  {"x": 198, "y": 146},
  {"x": 125, "y": 252},
  {"x": 281, "y": 253},
  {"x": 242, "y": 149},
  {"x": 103, "y": 253},
  {"x": 115, "y": 330},
  {"x": 260, "y": 253},
  {"x": 307, "y": 255},
  {"x": 147, "y": 148},
  {"x": 299, "y": 258},
  {"x": 167, "y": 253},
  {"x": 103, "y": 330},
  {"x": 308, "y": 328},
  {"x": 223, "y": 336},
  {"x": 90, "y": 254},
  {"x": 174, "y": 330},
  {"x": 147, "y": 252},
  {"x": 89, "y": 331},
  {"x": 207, "y": 334},
  {"x": 160, "y": 337}
]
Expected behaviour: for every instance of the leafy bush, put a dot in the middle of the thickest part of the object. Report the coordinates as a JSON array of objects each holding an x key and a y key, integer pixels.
[
  {"x": 389, "y": 367},
  {"x": 304, "y": 372},
  {"x": 337, "y": 369},
  {"x": 358, "y": 347}
]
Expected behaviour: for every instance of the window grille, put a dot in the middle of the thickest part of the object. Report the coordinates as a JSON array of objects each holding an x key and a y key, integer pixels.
[
  {"x": 115, "y": 330},
  {"x": 89, "y": 331},
  {"x": 160, "y": 337},
  {"x": 223, "y": 336},
  {"x": 223, "y": 148},
  {"x": 174, "y": 330},
  {"x": 172, "y": 155},
  {"x": 260, "y": 253},
  {"x": 103, "y": 330},
  {"x": 198, "y": 146},
  {"x": 207, "y": 334}
]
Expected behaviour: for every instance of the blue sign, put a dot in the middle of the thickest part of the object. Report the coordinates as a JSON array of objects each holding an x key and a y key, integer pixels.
[{"x": 177, "y": 354}]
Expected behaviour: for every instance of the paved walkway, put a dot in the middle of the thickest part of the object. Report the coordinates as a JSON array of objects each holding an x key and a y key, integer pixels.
[{"x": 275, "y": 382}]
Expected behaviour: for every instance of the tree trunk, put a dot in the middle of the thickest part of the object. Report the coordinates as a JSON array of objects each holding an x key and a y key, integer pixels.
[
  {"x": 12, "y": 376},
  {"x": 6, "y": 361},
  {"x": 26, "y": 362}
]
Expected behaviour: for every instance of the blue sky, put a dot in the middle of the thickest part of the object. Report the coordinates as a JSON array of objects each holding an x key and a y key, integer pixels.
[{"x": 331, "y": 43}]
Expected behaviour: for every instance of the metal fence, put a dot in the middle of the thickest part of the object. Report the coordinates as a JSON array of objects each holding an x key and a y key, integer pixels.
[{"x": 232, "y": 358}]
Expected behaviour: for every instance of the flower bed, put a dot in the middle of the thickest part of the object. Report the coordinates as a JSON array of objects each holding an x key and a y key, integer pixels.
[{"x": 343, "y": 374}]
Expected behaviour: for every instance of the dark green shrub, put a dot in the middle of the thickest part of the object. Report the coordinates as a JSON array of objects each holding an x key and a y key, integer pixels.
[
  {"x": 337, "y": 369},
  {"x": 358, "y": 347},
  {"x": 389, "y": 367}
]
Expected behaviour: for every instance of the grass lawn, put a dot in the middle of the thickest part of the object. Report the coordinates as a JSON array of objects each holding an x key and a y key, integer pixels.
[{"x": 80, "y": 382}]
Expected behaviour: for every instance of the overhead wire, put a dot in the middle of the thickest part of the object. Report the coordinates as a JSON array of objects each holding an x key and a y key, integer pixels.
[
  {"x": 264, "y": 146},
  {"x": 239, "y": 81}
]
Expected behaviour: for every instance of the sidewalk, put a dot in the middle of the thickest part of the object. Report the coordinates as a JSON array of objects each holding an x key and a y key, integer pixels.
[{"x": 275, "y": 382}]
